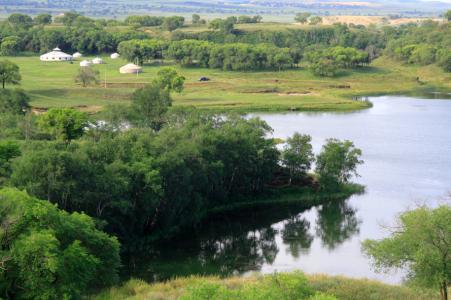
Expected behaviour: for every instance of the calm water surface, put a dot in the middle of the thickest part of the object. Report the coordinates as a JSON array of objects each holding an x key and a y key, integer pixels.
[{"x": 407, "y": 151}]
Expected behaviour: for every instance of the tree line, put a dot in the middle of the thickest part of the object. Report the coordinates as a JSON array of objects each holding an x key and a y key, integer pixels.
[{"x": 237, "y": 56}]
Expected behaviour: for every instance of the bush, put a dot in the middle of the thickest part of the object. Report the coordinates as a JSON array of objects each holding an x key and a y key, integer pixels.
[{"x": 49, "y": 254}]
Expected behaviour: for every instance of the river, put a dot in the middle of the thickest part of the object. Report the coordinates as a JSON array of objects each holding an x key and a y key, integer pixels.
[{"x": 406, "y": 146}]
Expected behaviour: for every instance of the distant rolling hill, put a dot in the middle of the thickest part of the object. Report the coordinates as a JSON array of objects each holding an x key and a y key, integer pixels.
[{"x": 214, "y": 7}]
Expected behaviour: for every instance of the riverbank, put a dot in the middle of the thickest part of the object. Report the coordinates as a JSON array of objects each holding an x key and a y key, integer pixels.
[
  {"x": 291, "y": 285},
  {"x": 289, "y": 90}
]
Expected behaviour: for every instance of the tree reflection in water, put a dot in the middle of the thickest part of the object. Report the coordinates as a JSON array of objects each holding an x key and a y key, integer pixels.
[
  {"x": 336, "y": 223},
  {"x": 296, "y": 235},
  {"x": 230, "y": 245}
]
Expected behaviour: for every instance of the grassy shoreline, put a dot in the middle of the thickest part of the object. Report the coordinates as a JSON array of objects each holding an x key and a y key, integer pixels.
[
  {"x": 52, "y": 85},
  {"x": 335, "y": 286}
]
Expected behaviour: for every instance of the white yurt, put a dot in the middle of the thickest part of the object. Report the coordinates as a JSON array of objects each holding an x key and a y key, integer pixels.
[
  {"x": 56, "y": 55},
  {"x": 85, "y": 63},
  {"x": 98, "y": 61},
  {"x": 130, "y": 69},
  {"x": 77, "y": 55},
  {"x": 115, "y": 56}
]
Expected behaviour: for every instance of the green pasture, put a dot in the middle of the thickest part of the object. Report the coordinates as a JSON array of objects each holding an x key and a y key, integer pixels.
[{"x": 51, "y": 84}]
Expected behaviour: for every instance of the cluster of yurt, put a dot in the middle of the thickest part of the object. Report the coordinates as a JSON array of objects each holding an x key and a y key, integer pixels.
[{"x": 56, "y": 55}]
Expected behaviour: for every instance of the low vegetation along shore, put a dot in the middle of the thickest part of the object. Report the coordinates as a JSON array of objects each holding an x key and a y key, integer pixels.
[{"x": 276, "y": 286}]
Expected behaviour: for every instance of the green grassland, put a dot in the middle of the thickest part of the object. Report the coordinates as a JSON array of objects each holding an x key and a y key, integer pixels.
[
  {"x": 214, "y": 288},
  {"x": 51, "y": 84}
]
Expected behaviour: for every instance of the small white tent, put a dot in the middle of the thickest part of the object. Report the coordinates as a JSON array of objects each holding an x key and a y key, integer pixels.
[
  {"x": 98, "y": 61},
  {"x": 77, "y": 55},
  {"x": 115, "y": 56},
  {"x": 85, "y": 63},
  {"x": 130, "y": 69},
  {"x": 56, "y": 55}
]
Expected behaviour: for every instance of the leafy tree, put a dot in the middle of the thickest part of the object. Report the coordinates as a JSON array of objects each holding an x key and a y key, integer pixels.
[
  {"x": 195, "y": 19},
  {"x": 9, "y": 73},
  {"x": 8, "y": 151},
  {"x": 324, "y": 67},
  {"x": 64, "y": 124},
  {"x": 68, "y": 18},
  {"x": 10, "y": 46},
  {"x": 225, "y": 26},
  {"x": 420, "y": 244},
  {"x": 20, "y": 21},
  {"x": 169, "y": 80},
  {"x": 43, "y": 19},
  {"x": 49, "y": 254},
  {"x": 444, "y": 59},
  {"x": 315, "y": 20},
  {"x": 172, "y": 23},
  {"x": 337, "y": 163},
  {"x": 302, "y": 17},
  {"x": 297, "y": 155},
  {"x": 150, "y": 105},
  {"x": 14, "y": 102},
  {"x": 448, "y": 15},
  {"x": 87, "y": 76}
]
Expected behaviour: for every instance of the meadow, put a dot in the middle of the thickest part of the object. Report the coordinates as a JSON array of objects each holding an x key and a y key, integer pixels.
[{"x": 52, "y": 85}]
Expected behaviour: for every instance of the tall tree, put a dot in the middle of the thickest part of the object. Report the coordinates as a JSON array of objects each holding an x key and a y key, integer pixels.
[
  {"x": 302, "y": 17},
  {"x": 420, "y": 244},
  {"x": 87, "y": 76},
  {"x": 297, "y": 155},
  {"x": 337, "y": 163},
  {"x": 64, "y": 124},
  {"x": 9, "y": 73}
]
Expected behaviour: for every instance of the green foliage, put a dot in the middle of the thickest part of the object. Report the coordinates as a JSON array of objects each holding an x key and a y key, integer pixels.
[
  {"x": 321, "y": 286},
  {"x": 150, "y": 104},
  {"x": 20, "y": 21},
  {"x": 327, "y": 62},
  {"x": 277, "y": 286},
  {"x": 162, "y": 181},
  {"x": 87, "y": 76},
  {"x": 169, "y": 80},
  {"x": 14, "y": 102},
  {"x": 10, "y": 46},
  {"x": 337, "y": 163},
  {"x": 418, "y": 244},
  {"x": 8, "y": 151},
  {"x": 43, "y": 19},
  {"x": 297, "y": 155},
  {"x": 195, "y": 19},
  {"x": 144, "y": 20},
  {"x": 49, "y": 254},
  {"x": 173, "y": 23},
  {"x": 448, "y": 15},
  {"x": 315, "y": 20},
  {"x": 64, "y": 123},
  {"x": 302, "y": 17},
  {"x": 9, "y": 73}
]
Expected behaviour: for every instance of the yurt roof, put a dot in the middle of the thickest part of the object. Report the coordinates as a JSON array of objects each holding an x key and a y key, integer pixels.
[
  {"x": 56, "y": 53},
  {"x": 131, "y": 67}
]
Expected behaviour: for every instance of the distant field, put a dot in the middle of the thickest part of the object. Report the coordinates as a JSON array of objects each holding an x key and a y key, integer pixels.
[{"x": 52, "y": 85}]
